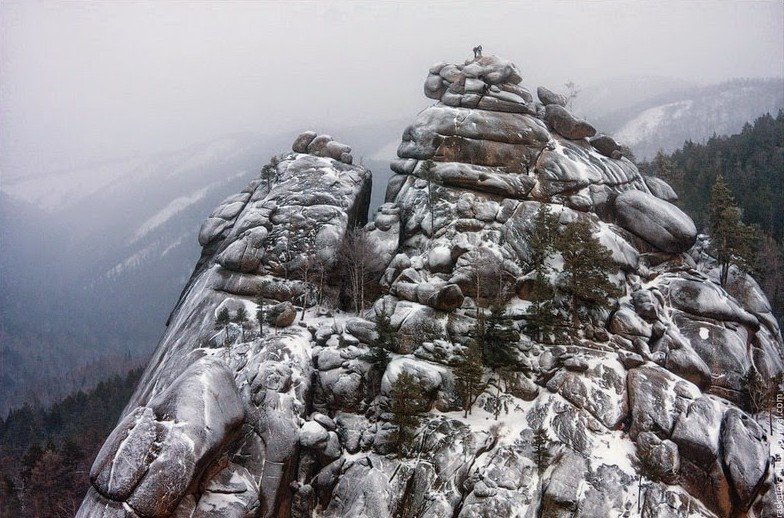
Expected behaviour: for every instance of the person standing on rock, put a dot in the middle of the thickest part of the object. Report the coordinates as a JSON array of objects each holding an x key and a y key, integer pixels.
[{"x": 477, "y": 52}]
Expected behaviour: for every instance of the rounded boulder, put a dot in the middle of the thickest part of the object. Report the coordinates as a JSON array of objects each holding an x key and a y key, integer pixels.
[{"x": 658, "y": 222}]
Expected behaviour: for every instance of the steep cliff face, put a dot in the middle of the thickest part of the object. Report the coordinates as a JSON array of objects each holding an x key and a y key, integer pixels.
[{"x": 293, "y": 421}]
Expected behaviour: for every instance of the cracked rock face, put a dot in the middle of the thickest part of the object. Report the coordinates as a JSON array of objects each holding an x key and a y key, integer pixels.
[{"x": 292, "y": 421}]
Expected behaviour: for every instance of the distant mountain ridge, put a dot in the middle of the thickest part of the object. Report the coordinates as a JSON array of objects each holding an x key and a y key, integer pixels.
[
  {"x": 101, "y": 252},
  {"x": 668, "y": 119}
]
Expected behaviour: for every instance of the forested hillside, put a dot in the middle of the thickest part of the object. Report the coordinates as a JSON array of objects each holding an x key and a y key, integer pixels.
[
  {"x": 752, "y": 164},
  {"x": 45, "y": 454}
]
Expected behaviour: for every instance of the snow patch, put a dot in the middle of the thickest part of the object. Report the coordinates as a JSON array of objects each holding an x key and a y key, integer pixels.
[
  {"x": 647, "y": 123},
  {"x": 172, "y": 209}
]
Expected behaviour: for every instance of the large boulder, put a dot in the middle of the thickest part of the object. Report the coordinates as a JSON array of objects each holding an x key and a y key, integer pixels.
[
  {"x": 660, "y": 188},
  {"x": 152, "y": 457},
  {"x": 745, "y": 450},
  {"x": 484, "y": 138},
  {"x": 549, "y": 97},
  {"x": 705, "y": 299},
  {"x": 302, "y": 142},
  {"x": 656, "y": 221},
  {"x": 697, "y": 430},
  {"x": 656, "y": 399},
  {"x": 606, "y": 146},
  {"x": 282, "y": 315},
  {"x": 563, "y": 490},
  {"x": 566, "y": 124},
  {"x": 448, "y": 298}
]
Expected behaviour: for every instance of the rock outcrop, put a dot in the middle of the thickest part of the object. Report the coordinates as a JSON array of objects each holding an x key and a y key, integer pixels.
[{"x": 293, "y": 420}]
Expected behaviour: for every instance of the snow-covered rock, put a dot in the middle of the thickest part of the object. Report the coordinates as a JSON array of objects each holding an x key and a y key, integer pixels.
[
  {"x": 295, "y": 420},
  {"x": 657, "y": 221}
]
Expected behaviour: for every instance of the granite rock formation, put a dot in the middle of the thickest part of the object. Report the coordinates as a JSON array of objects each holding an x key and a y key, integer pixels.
[{"x": 293, "y": 423}]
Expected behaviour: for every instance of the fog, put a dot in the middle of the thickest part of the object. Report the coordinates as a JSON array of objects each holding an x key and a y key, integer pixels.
[{"x": 91, "y": 81}]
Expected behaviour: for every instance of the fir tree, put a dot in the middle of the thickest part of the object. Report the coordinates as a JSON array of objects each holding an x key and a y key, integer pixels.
[
  {"x": 405, "y": 407},
  {"x": 665, "y": 168},
  {"x": 468, "y": 377},
  {"x": 542, "y": 244},
  {"x": 386, "y": 341},
  {"x": 542, "y": 457},
  {"x": 241, "y": 318},
  {"x": 387, "y": 336},
  {"x": 732, "y": 241},
  {"x": 269, "y": 173},
  {"x": 499, "y": 338},
  {"x": 222, "y": 323},
  {"x": 587, "y": 268}
]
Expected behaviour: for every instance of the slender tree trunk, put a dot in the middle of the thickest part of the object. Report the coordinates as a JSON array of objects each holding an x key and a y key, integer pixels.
[
  {"x": 770, "y": 421},
  {"x": 430, "y": 204},
  {"x": 639, "y": 492},
  {"x": 575, "y": 315},
  {"x": 362, "y": 288},
  {"x": 497, "y": 402}
]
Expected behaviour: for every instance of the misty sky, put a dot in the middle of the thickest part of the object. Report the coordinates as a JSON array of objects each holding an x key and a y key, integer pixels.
[{"x": 88, "y": 81}]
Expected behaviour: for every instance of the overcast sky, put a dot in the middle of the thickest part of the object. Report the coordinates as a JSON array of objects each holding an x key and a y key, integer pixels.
[{"x": 87, "y": 81}]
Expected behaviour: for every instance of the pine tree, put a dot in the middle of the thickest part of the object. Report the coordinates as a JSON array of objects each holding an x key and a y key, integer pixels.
[
  {"x": 241, "y": 318},
  {"x": 222, "y": 323},
  {"x": 387, "y": 336},
  {"x": 468, "y": 377},
  {"x": 732, "y": 241},
  {"x": 542, "y": 457},
  {"x": 665, "y": 168},
  {"x": 260, "y": 316},
  {"x": 587, "y": 268},
  {"x": 405, "y": 407},
  {"x": 542, "y": 244},
  {"x": 386, "y": 341},
  {"x": 499, "y": 338},
  {"x": 269, "y": 173}
]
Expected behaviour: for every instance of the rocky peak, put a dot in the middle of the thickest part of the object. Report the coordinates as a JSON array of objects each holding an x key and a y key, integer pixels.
[
  {"x": 314, "y": 144},
  {"x": 294, "y": 420}
]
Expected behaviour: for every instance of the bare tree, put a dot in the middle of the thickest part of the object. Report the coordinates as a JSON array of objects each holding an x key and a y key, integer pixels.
[
  {"x": 572, "y": 90},
  {"x": 360, "y": 265},
  {"x": 491, "y": 281},
  {"x": 307, "y": 262}
]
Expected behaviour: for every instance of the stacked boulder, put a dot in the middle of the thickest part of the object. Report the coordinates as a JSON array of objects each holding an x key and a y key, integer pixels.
[
  {"x": 213, "y": 426},
  {"x": 488, "y": 134},
  {"x": 672, "y": 347},
  {"x": 314, "y": 144},
  {"x": 648, "y": 400}
]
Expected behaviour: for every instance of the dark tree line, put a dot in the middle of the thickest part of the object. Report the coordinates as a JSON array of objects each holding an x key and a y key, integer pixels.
[
  {"x": 744, "y": 176},
  {"x": 46, "y": 453},
  {"x": 751, "y": 162}
]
